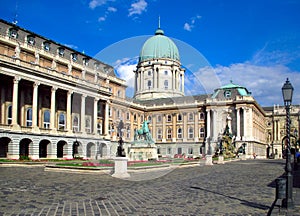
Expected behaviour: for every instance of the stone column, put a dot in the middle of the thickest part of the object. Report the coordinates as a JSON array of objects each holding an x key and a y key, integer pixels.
[
  {"x": 2, "y": 104},
  {"x": 135, "y": 82},
  {"x": 82, "y": 114},
  {"x": 154, "y": 132},
  {"x": 196, "y": 131},
  {"x": 95, "y": 115},
  {"x": 106, "y": 119},
  {"x": 154, "y": 79},
  {"x": 34, "y": 105},
  {"x": 69, "y": 114},
  {"x": 142, "y": 80},
  {"x": 185, "y": 127},
  {"x": 208, "y": 124},
  {"x": 52, "y": 107},
  {"x": 164, "y": 128},
  {"x": 15, "y": 102},
  {"x": 214, "y": 126},
  {"x": 245, "y": 134},
  {"x": 174, "y": 131},
  {"x": 238, "y": 124},
  {"x": 182, "y": 83}
]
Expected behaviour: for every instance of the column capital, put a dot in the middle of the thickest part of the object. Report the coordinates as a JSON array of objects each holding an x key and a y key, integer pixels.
[
  {"x": 36, "y": 84},
  {"x": 70, "y": 92},
  {"x": 83, "y": 96},
  {"x": 17, "y": 79},
  {"x": 54, "y": 88}
]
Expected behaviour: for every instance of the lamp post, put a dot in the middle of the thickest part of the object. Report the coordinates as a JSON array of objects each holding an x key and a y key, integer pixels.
[{"x": 287, "y": 93}]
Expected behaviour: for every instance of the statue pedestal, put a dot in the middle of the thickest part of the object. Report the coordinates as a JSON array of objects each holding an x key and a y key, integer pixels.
[
  {"x": 221, "y": 160},
  {"x": 120, "y": 170},
  {"x": 142, "y": 153},
  {"x": 208, "y": 160}
]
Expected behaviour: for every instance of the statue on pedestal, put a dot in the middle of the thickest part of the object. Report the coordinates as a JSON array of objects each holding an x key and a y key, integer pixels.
[
  {"x": 120, "y": 150},
  {"x": 143, "y": 134}
]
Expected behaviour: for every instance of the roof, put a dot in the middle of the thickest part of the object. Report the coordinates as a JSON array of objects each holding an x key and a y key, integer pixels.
[
  {"x": 159, "y": 46},
  {"x": 172, "y": 100}
]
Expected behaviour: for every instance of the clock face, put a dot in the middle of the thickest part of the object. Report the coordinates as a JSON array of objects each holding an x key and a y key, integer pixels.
[{"x": 227, "y": 94}]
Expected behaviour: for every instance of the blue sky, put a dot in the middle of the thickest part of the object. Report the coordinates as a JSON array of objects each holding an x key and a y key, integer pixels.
[{"x": 254, "y": 43}]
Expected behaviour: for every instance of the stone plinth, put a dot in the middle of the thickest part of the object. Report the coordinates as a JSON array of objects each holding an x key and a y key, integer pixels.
[
  {"x": 142, "y": 153},
  {"x": 221, "y": 159},
  {"x": 120, "y": 170},
  {"x": 208, "y": 160}
]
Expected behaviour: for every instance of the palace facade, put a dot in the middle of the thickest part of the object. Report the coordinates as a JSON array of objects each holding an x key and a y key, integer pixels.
[{"x": 59, "y": 103}]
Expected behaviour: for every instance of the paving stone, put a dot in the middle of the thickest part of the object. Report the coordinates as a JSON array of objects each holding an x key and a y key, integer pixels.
[{"x": 236, "y": 188}]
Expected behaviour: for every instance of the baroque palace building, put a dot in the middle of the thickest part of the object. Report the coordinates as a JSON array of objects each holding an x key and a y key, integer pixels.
[{"x": 59, "y": 103}]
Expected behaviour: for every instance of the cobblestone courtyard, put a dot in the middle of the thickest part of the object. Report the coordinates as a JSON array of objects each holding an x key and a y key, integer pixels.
[{"x": 236, "y": 188}]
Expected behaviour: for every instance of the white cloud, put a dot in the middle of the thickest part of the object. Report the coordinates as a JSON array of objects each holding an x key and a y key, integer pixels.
[
  {"x": 107, "y": 12},
  {"x": 264, "y": 82},
  {"x": 112, "y": 9},
  {"x": 189, "y": 26},
  {"x": 101, "y": 19},
  {"x": 96, "y": 3},
  {"x": 138, "y": 7},
  {"x": 125, "y": 68}
]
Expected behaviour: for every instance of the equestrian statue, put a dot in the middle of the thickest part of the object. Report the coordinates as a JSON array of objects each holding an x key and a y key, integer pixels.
[{"x": 143, "y": 134}]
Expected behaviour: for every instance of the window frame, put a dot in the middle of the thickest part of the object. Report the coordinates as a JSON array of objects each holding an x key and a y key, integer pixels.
[{"x": 46, "y": 124}]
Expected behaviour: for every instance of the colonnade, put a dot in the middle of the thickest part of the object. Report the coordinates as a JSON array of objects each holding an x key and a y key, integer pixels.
[{"x": 15, "y": 120}]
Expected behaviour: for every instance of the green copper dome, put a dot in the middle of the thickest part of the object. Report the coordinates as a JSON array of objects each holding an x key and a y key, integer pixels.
[{"x": 159, "y": 46}]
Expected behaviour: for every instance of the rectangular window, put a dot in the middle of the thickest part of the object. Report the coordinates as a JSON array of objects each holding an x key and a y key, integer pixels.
[
  {"x": 29, "y": 117},
  {"x": 159, "y": 134},
  {"x": 9, "y": 114},
  {"x": 191, "y": 133},
  {"x": 191, "y": 116},
  {"x": 169, "y": 133},
  {"x": 88, "y": 127},
  {"x": 61, "y": 122},
  {"x": 75, "y": 123},
  {"x": 47, "y": 119}
]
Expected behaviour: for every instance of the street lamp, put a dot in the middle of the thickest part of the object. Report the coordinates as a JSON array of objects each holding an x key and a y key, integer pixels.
[{"x": 287, "y": 93}]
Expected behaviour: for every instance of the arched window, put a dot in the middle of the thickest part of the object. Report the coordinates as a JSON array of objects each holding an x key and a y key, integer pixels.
[
  {"x": 134, "y": 117},
  {"x": 29, "y": 117},
  {"x": 179, "y": 133},
  {"x": 61, "y": 121},
  {"x": 191, "y": 133},
  {"x": 201, "y": 116},
  {"x": 169, "y": 118},
  {"x": 9, "y": 114},
  {"x": 179, "y": 117}
]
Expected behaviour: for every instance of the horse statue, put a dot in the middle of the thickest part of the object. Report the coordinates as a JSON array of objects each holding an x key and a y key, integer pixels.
[{"x": 143, "y": 132}]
